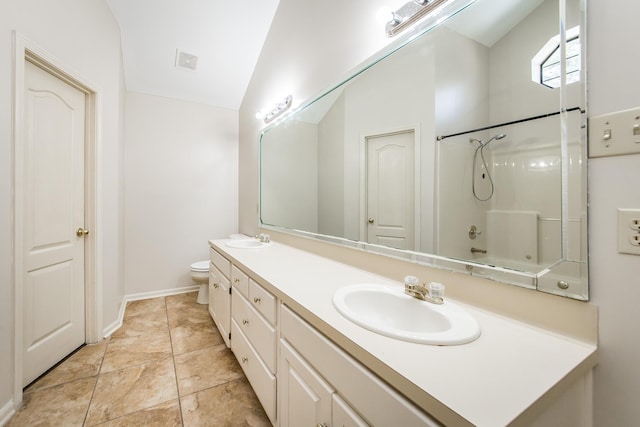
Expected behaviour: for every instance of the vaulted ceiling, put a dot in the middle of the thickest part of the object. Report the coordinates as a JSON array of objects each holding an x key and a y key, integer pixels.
[{"x": 226, "y": 36}]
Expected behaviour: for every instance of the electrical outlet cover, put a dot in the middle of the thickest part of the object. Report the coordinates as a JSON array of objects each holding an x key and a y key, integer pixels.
[{"x": 629, "y": 231}]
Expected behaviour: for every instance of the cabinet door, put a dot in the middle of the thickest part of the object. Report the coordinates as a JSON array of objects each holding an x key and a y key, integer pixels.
[
  {"x": 304, "y": 397},
  {"x": 344, "y": 415},
  {"x": 213, "y": 284},
  {"x": 222, "y": 303}
]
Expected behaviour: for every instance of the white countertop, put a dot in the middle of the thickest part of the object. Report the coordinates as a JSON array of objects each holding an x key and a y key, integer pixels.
[{"x": 492, "y": 381}]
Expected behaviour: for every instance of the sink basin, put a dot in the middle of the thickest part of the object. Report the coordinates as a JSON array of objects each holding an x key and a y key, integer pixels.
[
  {"x": 388, "y": 311},
  {"x": 247, "y": 244}
]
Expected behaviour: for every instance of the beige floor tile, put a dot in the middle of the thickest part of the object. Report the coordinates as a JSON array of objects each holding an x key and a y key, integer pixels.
[
  {"x": 191, "y": 336},
  {"x": 188, "y": 314},
  {"x": 230, "y": 404},
  {"x": 62, "y": 405},
  {"x": 132, "y": 389},
  {"x": 163, "y": 415},
  {"x": 182, "y": 300},
  {"x": 83, "y": 363},
  {"x": 144, "y": 307},
  {"x": 202, "y": 369},
  {"x": 129, "y": 351},
  {"x": 137, "y": 384},
  {"x": 141, "y": 324}
]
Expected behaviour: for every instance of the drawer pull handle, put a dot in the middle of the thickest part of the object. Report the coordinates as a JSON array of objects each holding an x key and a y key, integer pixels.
[
  {"x": 236, "y": 280},
  {"x": 256, "y": 300},
  {"x": 322, "y": 424},
  {"x": 245, "y": 322},
  {"x": 245, "y": 360}
]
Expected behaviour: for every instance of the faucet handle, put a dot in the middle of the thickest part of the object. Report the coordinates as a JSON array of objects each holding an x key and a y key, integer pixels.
[
  {"x": 436, "y": 290},
  {"x": 410, "y": 281}
]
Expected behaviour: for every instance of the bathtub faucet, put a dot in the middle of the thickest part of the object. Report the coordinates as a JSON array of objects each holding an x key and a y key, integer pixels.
[{"x": 478, "y": 251}]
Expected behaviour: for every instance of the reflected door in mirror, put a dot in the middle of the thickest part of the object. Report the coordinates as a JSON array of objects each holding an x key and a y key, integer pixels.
[{"x": 390, "y": 190}]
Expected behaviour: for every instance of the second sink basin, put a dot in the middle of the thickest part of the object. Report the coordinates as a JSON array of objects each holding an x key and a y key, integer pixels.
[
  {"x": 387, "y": 310},
  {"x": 247, "y": 244}
]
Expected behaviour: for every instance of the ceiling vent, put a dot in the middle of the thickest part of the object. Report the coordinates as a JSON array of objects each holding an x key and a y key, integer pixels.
[{"x": 186, "y": 60}]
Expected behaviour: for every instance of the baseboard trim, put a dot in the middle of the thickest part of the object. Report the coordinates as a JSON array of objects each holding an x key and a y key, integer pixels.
[
  {"x": 6, "y": 412},
  {"x": 144, "y": 295},
  {"x": 163, "y": 293}
]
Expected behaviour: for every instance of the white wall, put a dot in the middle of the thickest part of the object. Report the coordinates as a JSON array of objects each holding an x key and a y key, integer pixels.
[
  {"x": 613, "y": 183},
  {"x": 320, "y": 54},
  {"x": 84, "y": 37},
  {"x": 180, "y": 180}
]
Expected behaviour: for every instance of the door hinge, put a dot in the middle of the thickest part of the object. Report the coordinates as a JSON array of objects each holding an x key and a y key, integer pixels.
[
  {"x": 229, "y": 291},
  {"x": 229, "y": 335}
]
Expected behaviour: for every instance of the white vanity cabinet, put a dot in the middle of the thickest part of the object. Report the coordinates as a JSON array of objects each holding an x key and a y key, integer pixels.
[
  {"x": 343, "y": 415},
  {"x": 304, "y": 396},
  {"x": 316, "y": 378},
  {"x": 254, "y": 337},
  {"x": 306, "y": 399},
  {"x": 284, "y": 329},
  {"x": 220, "y": 294}
]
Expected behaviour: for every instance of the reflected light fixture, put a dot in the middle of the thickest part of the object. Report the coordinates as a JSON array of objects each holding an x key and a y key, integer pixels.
[
  {"x": 276, "y": 111},
  {"x": 409, "y": 14}
]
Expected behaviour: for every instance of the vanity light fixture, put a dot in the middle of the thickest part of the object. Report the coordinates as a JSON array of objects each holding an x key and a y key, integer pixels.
[
  {"x": 276, "y": 111},
  {"x": 410, "y": 13}
]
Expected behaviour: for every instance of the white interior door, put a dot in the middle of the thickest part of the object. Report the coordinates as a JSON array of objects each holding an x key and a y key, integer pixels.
[
  {"x": 390, "y": 190},
  {"x": 53, "y": 185}
]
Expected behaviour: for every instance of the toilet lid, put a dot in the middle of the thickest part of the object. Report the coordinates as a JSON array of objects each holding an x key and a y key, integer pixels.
[{"x": 200, "y": 266}]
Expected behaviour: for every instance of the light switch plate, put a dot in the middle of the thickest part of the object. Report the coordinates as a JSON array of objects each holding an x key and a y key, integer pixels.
[
  {"x": 629, "y": 231},
  {"x": 615, "y": 134}
]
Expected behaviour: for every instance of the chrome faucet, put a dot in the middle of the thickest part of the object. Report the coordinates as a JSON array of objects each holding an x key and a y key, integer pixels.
[
  {"x": 433, "y": 292},
  {"x": 264, "y": 238}
]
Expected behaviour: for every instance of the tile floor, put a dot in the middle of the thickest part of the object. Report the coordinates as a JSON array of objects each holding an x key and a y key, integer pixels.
[{"x": 166, "y": 366}]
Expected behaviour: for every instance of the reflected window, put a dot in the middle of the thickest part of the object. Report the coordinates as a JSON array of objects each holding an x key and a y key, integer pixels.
[{"x": 545, "y": 66}]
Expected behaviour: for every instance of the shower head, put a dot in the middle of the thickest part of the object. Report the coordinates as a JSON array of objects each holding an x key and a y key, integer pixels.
[{"x": 496, "y": 137}]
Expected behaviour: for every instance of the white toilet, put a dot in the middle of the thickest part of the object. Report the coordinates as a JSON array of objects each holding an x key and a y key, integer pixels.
[{"x": 200, "y": 274}]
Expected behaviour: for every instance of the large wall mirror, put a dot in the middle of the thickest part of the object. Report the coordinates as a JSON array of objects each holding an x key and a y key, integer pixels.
[{"x": 464, "y": 148}]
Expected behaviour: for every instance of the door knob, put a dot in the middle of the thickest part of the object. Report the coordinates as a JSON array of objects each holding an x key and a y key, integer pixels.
[
  {"x": 371, "y": 220},
  {"x": 81, "y": 232}
]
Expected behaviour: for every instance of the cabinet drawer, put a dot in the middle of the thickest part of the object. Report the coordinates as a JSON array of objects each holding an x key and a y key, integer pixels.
[
  {"x": 240, "y": 281},
  {"x": 262, "y": 381},
  {"x": 379, "y": 404},
  {"x": 223, "y": 264},
  {"x": 263, "y": 301},
  {"x": 259, "y": 333}
]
